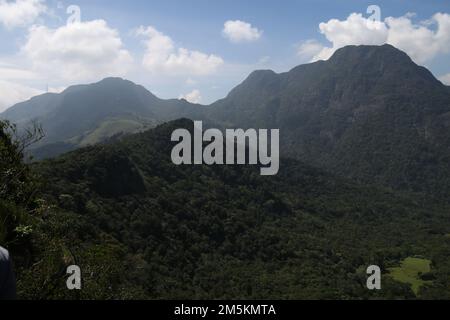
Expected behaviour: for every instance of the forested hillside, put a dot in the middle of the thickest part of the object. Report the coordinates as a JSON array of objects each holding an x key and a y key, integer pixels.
[
  {"x": 141, "y": 227},
  {"x": 368, "y": 113}
]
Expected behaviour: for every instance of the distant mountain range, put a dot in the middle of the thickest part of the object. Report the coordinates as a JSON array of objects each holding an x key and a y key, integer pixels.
[{"x": 369, "y": 113}]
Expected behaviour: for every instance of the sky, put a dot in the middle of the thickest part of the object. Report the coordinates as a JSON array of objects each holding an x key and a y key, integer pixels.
[{"x": 200, "y": 49}]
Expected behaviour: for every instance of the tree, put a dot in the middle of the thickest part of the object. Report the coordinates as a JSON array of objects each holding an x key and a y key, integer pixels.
[{"x": 17, "y": 183}]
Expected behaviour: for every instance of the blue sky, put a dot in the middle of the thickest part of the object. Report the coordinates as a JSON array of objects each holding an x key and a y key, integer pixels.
[{"x": 200, "y": 49}]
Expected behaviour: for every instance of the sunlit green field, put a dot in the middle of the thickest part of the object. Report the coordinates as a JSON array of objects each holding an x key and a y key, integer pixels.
[{"x": 409, "y": 272}]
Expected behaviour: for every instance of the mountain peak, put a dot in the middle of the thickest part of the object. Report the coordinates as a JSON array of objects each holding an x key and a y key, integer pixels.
[
  {"x": 110, "y": 83},
  {"x": 115, "y": 80},
  {"x": 367, "y": 50},
  {"x": 385, "y": 62},
  {"x": 88, "y": 113},
  {"x": 261, "y": 74},
  {"x": 385, "y": 54},
  {"x": 258, "y": 79}
]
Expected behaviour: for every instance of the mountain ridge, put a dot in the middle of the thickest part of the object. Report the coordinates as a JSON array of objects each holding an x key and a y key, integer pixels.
[
  {"x": 76, "y": 114},
  {"x": 368, "y": 113}
]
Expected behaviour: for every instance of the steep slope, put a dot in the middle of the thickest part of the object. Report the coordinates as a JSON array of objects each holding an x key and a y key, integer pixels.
[
  {"x": 227, "y": 232},
  {"x": 369, "y": 113}
]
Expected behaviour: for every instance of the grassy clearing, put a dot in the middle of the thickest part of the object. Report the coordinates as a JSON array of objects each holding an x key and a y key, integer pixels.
[
  {"x": 410, "y": 271},
  {"x": 111, "y": 127}
]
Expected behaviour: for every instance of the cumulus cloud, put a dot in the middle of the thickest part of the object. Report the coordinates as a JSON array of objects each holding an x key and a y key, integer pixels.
[
  {"x": 422, "y": 41},
  {"x": 77, "y": 52},
  {"x": 310, "y": 49},
  {"x": 163, "y": 57},
  {"x": 355, "y": 30},
  {"x": 20, "y": 13},
  {"x": 192, "y": 97},
  {"x": 12, "y": 93},
  {"x": 240, "y": 31}
]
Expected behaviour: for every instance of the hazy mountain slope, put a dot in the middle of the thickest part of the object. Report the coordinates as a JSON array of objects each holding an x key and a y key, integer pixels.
[
  {"x": 38, "y": 106},
  {"x": 368, "y": 113},
  {"x": 198, "y": 231},
  {"x": 72, "y": 117}
]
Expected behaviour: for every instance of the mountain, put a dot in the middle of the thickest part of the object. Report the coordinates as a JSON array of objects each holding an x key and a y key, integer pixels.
[
  {"x": 219, "y": 232},
  {"x": 141, "y": 227},
  {"x": 88, "y": 114},
  {"x": 368, "y": 113}
]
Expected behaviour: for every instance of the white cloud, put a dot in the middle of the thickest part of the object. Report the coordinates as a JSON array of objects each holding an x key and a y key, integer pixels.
[
  {"x": 12, "y": 93},
  {"x": 20, "y": 13},
  {"x": 12, "y": 73},
  {"x": 192, "y": 97},
  {"x": 162, "y": 56},
  {"x": 309, "y": 49},
  {"x": 355, "y": 30},
  {"x": 12, "y": 90},
  {"x": 56, "y": 89},
  {"x": 240, "y": 31},
  {"x": 420, "y": 41},
  {"x": 77, "y": 52},
  {"x": 445, "y": 79}
]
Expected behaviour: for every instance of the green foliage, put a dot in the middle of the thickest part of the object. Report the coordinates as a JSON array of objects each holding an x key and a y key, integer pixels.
[
  {"x": 114, "y": 127},
  {"x": 45, "y": 240},
  {"x": 142, "y": 228},
  {"x": 412, "y": 271},
  {"x": 223, "y": 232},
  {"x": 17, "y": 183}
]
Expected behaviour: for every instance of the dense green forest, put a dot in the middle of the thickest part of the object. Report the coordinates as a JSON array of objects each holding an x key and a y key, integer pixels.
[{"x": 142, "y": 228}]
